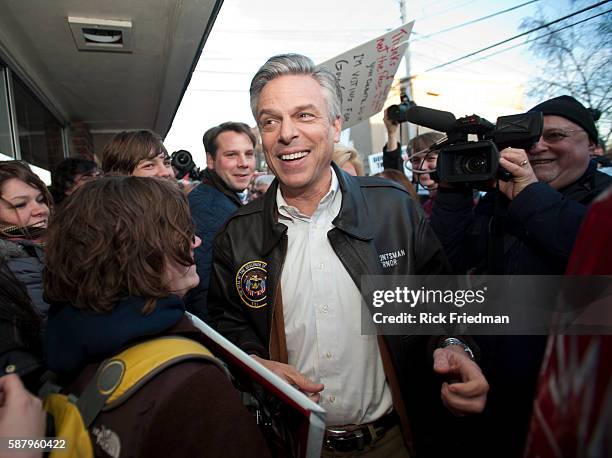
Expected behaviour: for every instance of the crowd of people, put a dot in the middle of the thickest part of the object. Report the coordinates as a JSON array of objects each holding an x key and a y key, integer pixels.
[{"x": 114, "y": 255}]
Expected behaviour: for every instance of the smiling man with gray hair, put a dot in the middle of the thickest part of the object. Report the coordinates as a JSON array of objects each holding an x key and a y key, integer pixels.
[{"x": 286, "y": 270}]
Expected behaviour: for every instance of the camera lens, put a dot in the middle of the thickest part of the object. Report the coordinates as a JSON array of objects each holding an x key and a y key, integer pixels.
[
  {"x": 398, "y": 113},
  {"x": 182, "y": 160},
  {"x": 475, "y": 165}
]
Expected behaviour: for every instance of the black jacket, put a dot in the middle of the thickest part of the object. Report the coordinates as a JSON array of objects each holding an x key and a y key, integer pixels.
[
  {"x": 392, "y": 158},
  {"x": 20, "y": 325},
  {"x": 376, "y": 217}
]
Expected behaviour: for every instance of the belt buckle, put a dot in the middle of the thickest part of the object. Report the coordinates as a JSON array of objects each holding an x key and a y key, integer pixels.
[{"x": 347, "y": 440}]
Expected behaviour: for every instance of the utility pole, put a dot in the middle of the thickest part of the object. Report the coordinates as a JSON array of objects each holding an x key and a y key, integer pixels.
[
  {"x": 403, "y": 19},
  {"x": 408, "y": 130}
]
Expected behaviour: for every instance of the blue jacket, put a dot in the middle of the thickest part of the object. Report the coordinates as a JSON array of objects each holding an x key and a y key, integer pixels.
[{"x": 211, "y": 204}]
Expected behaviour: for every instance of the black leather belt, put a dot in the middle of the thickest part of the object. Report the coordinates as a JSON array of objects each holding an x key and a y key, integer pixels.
[{"x": 358, "y": 437}]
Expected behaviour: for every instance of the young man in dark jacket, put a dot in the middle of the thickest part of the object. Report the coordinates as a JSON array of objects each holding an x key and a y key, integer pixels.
[{"x": 230, "y": 161}]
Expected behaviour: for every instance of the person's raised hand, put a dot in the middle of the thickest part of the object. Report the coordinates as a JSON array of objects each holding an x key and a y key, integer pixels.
[{"x": 392, "y": 131}]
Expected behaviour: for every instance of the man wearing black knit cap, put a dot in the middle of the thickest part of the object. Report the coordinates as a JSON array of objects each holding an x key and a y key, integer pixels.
[
  {"x": 568, "y": 140},
  {"x": 540, "y": 211},
  {"x": 542, "y": 206}
]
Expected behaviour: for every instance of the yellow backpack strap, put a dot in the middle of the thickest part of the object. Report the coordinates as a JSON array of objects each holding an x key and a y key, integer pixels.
[
  {"x": 119, "y": 377},
  {"x": 145, "y": 360}
]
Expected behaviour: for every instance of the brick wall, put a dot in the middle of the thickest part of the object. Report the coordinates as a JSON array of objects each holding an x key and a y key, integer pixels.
[{"x": 81, "y": 141}]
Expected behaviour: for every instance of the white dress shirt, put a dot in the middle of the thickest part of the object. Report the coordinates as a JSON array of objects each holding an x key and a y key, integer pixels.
[{"x": 321, "y": 309}]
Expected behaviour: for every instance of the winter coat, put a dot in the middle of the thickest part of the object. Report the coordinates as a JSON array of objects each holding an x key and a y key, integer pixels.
[
  {"x": 211, "y": 204},
  {"x": 25, "y": 260}
]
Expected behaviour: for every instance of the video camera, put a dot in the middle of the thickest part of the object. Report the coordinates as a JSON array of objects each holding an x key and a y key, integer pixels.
[
  {"x": 182, "y": 161},
  {"x": 474, "y": 163}
]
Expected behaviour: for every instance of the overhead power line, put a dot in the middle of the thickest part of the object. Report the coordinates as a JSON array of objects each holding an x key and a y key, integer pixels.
[
  {"x": 454, "y": 49},
  {"x": 517, "y": 36},
  {"x": 542, "y": 36},
  {"x": 473, "y": 21}
]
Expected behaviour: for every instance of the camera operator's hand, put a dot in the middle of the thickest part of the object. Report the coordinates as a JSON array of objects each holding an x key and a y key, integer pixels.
[
  {"x": 392, "y": 131},
  {"x": 516, "y": 162}
]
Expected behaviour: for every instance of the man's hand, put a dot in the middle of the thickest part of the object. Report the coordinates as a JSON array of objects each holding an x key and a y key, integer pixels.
[
  {"x": 293, "y": 377},
  {"x": 469, "y": 395},
  {"x": 392, "y": 132},
  {"x": 21, "y": 413},
  {"x": 516, "y": 162}
]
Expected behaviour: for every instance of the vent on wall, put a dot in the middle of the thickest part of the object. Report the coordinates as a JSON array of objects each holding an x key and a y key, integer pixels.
[{"x": 92, "y": 34}]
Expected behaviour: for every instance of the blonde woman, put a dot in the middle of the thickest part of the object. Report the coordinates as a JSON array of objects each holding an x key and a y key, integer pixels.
[{"x": 348, "y": 159}]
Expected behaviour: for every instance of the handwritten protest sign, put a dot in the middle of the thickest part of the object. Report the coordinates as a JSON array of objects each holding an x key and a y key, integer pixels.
[{"x": 365, "y": 74}]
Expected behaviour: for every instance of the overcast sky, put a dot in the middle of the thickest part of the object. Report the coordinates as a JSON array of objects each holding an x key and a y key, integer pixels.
[{"x": 247, "y": 32}]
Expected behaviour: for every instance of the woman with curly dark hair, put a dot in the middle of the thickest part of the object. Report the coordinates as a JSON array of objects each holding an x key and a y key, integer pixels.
[{"x": 119, "y": 260}]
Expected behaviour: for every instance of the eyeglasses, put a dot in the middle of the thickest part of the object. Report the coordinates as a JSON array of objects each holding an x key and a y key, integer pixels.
[
  {"x": 88, "y": 176},
  {"x": 558, "y": 135},
  {"x": 423, "y": 161}
]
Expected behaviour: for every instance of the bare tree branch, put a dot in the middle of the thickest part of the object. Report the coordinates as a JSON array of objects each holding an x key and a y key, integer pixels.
[{"x": 576, "y": 61}]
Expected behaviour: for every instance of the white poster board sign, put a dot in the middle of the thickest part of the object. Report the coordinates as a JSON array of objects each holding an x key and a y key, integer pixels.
[
  {"x": 376, "y": 163},
  {"x": 306, "y": 420},
  {"x": 365, "y": 74}
]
